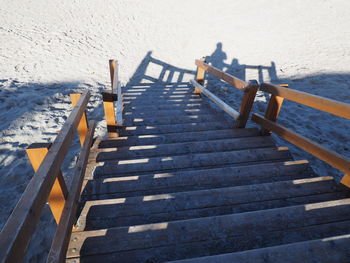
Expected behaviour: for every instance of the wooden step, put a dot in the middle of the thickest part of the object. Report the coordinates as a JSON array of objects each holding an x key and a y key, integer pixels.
[
  {"x": 143, "y": 151},
  {"x": 178, "y": 181},
  {"x": 166, "y": 106},
  {"x": 155, "y": 92},
  {"x": 334, "y": 249},
  {"x": 143, "y": 103},
  {"x": 167, "y": 113},
  {"x": 188, "y": 161},
  {"x": 160, "y": 97},
  {"x": 138, "y": 210},
  {"x": 212, "y": 235},
  {"x": 198, "y": 118},
  {"x": 175, "y": 128},
  {"x": 175, "y": 137}
]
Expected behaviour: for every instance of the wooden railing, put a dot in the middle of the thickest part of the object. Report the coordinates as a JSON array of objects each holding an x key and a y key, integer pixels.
[
  {"x": 113, "y": 115},
  {"x": 248, "y": 88},
  {"x": 267, "y": 122},
  {"x": 48, "y": 185}
]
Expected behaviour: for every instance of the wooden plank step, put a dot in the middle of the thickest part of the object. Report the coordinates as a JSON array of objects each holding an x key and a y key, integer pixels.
[
  {"x": 178, "y": 181},
  {"x": 175, "y": 128},
  {"x": 187, "y": 161},
  {"x": 143, "y": 103},
  {"x": 198, "y": 118},
  {"x": 158, "y": 96},
  {"x": 168, "y": 106},
  {"x": 138, "y": 210},
  {"x": 334, "y": 249},
  {"x": 159, "y": 87},
  {"x": 167, "y": 113},
  {"x": 220, "y": 234},
  {"x": 168, "y": 91},
  {"x": 175, "y": 137},
  {"x": 143, "y": 151}
]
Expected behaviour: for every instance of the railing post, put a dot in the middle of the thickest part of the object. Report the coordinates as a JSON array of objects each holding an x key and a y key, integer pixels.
[
  {"x": 273, "y": 110},
  {"x": 36, "y": 153},
  {"x": 108, "y": 106},
  {"x": 83, "y": 126},
  {"x": 112, "y": 68},
  {"x": 247, "y": 103},
  {"x": 200, "y": 76}
]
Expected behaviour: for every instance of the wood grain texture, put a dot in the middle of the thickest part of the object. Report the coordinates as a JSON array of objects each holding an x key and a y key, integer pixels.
[
  {"x": 222, "y": 105},
  {"x": 36, "y": 154},
  {"x": 324, "y": 104},
  {"x": 60, "y": 241},
  {"x": 236, "y": 82},
  {"x": 18, "y": 229},
  {"x": 340, "y": 162},
  {"x": 247, "y": 103},
  {"x": 83, "y": 126}
]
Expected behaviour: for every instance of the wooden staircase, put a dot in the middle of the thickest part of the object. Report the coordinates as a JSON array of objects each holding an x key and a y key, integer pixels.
[
  {"x": 181, "y": 183},
  {"x": 176, "y": 180}
]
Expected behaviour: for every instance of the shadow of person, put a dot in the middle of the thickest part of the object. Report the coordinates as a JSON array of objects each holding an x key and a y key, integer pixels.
[
  {"x": 216, "y": 59},
  {"x": 236, "y": 69}
]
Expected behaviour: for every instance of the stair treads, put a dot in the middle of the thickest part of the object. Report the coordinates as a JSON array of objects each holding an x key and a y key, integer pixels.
[
  {"x": 142, "y": 151},
  {"x": 166, "y": 106},
  {"x": 192, "y": 161},
  {"x": 175, "y": 128},
  {"x": 334, "y": 249},
  {"x": 185, "y": 205},
  {"x": 168, "y": 113},
  {"x": 155, "y": 92},
  {"x": 160, "y": 97},
  {"x": 150, "y": 102},
  {"x": 238, "y": 231},
  {"x": 176, "y": 137},
  {"x": 197, "y": 179},
  {"x": 173, "y": 120}
]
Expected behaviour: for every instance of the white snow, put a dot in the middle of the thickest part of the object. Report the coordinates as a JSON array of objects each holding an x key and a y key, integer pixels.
[{"x": 51, "y": 48}]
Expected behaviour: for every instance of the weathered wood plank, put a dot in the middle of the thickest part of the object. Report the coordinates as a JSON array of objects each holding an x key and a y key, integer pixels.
[
  {"x": 324, "y": 104},
  {"x": 142, "y": 151},
  {"x": 110, "y": 116},
  {"x": 176, "y": 137},
  {"x": 142, "y": 121},
  {"x": 334, "y": 249},
  {"x": 107, "y": 213},
  {"x": 340, "y": 162},
  {"x": 193, "y": 161},
  {"x": 178, "y": 181},
  {"x": 18, "y": 229},
  {"x": 247, "y": 103},
  {"x": 200, "y": 75},
  {"x": 83, "y": 126},
  {"x": 236, "y": 82},
  {"x": 60, "y": 241},
  {"x": 231, "y": 228},
  {"x": 174, "y": 128},
  {"x": 36, "y": 153},
  {"x": 272, "y": 111},
  {"x": 222, "y": 105}
]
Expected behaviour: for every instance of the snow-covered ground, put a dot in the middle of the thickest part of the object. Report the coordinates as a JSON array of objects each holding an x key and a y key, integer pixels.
[{"x": 50, "y": 48}]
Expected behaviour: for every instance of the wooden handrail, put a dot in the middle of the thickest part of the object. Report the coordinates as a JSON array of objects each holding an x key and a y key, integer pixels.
[
  {"x": 331, "y": 157},
  {"x": 268, "y": 124},
  {"x": 64, "y": 229},
  {"x": 17, "y": 232},
  {"x": 222, "y": 105},
  {"x": 249, "y": 88},
  {"x": 328, "y": 105},
  {"x": 236, "y": 82}
]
